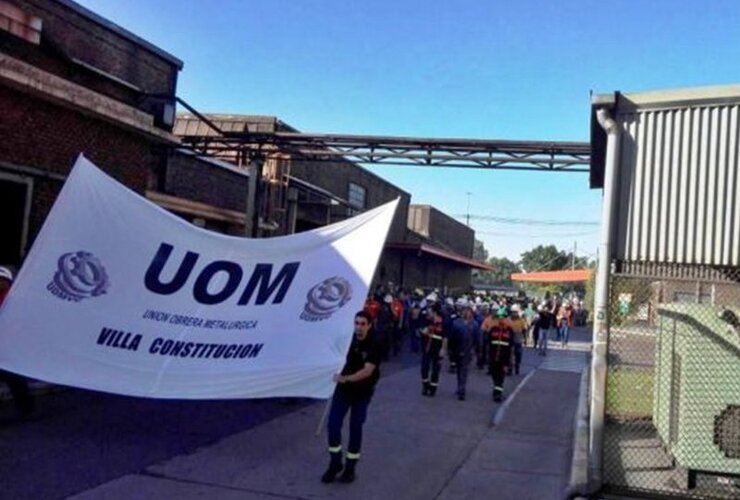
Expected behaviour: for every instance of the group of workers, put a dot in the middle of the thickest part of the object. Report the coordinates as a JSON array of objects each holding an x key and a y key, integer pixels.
[{"x": 491, "y": 331}]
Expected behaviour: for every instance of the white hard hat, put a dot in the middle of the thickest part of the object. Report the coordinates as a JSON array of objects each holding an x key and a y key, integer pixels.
[
  {"x": 388, "y": 298},
  {"x": 6, "y": 273},
  {"x": 516, "y": 308}
]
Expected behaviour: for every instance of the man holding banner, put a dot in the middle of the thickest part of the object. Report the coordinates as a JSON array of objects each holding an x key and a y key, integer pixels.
[{"x": 354, "y": 390}]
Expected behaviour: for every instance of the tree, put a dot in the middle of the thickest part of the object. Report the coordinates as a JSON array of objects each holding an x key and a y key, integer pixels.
[
  {"x": 578, "y": 263},
  {"x": 503, "y": 269},
  {"x": 544, "y": 258},
  {"x": 479, "y": 251}
]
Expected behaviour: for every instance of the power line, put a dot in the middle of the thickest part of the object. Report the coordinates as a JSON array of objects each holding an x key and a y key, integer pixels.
[
  {"x": 524, "y": 235},
  {"x": 531, "y": 222}
]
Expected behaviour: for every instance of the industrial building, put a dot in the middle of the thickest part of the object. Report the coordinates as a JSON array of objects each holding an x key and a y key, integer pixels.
[
  {"x": 668, "y": 364},
  {"x": 425, "y": 248},
  {"x": 73, "y": 82}
]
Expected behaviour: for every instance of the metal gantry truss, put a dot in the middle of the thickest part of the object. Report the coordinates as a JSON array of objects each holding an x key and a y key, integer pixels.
[
  {"x": 252, "y": 148},
  {"x": 407, "y": 151}
]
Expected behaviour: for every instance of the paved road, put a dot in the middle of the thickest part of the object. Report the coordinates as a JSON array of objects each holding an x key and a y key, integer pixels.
[
  {"x": 115, "y": 447},
  {"x": 79, "y": 439}
]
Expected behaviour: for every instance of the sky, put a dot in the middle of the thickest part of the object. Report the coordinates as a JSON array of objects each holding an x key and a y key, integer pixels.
[{"x": 489, "y": 69}]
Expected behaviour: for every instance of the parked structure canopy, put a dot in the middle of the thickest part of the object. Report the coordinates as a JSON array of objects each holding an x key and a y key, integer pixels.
[{"x": 568, "y": 276}]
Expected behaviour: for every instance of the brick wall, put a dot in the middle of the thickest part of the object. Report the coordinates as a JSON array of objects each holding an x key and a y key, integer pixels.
[
  {"x": 68, "y": 35},
  {"x": 430, "y": 272},
  {"x": 335, "y": 178},
  {"x": 441, "y": 229},
  {"x": 38, "y": 134},
  {"x": 194, "y": 179}
]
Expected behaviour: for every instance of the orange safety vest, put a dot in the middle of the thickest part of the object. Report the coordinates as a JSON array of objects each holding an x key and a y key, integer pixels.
[{"x": 500, "y": 340}]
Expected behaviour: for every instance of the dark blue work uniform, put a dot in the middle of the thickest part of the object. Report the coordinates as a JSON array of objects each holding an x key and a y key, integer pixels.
[{"x": 354, "y": 397}]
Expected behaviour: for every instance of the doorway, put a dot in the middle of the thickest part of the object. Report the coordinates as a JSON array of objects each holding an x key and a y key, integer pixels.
[{"x": 15, "y": 193}]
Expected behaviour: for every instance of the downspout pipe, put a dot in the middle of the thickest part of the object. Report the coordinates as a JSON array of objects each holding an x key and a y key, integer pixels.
[{"x": 601, "y": 302}]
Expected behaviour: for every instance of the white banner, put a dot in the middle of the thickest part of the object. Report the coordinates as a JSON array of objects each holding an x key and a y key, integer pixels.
[{"x": 119, "y": 295}]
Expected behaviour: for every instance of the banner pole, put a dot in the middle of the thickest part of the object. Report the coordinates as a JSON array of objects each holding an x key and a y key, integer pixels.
[{"x": 324, "y": 414}]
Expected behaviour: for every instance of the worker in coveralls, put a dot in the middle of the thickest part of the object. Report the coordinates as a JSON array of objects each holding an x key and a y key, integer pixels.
[
  {"x": 462, "y": 343},
  {"x": 435, "y": 346},
  {"x": 500, "y": 338},
  {"x": 518, "y": 327},
  {"x": 354, "y": 390}
]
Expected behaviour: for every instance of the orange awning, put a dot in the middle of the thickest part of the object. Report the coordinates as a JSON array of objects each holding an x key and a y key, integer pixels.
[{"x": 567, "y": 276}]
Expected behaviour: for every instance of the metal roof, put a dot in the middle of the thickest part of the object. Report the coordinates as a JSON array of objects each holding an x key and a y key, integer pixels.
[
  {"x": 188, "y": 124},
  {"x": 443, "y": 254},
  {"x": 567, "y": 276},
  {"x": 620, "y": 102},
  {"x": 678, "y": 176}
]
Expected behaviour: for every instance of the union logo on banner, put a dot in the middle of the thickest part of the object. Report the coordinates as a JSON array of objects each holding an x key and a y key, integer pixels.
[
  {"x": 79, "y": 275},
  {"x": 326, "y": 298}
]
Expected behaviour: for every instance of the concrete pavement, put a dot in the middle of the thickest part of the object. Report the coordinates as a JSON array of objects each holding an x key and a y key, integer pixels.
[{"x": 415, "y": 447}]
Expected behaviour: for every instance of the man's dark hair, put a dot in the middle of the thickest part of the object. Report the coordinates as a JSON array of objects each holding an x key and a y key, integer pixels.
[{"x": 365, "y": 315}]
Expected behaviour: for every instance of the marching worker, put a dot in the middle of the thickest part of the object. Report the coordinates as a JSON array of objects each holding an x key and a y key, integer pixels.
[
  {"x": 385, "y": 326},
  {"x": 435, "y": 345},
  {"x": 372, "y": 306},
  {"x": 18, "y": 385},
  {"x": 449, "y": 315},
  {"x": 518, "y": 327},
  {"x": 398, "y": 306},
  {"x": 500, "y": 338},
  {"x": 486, "y": 323},
  {"x": 544, "y": 323},
  {"x": 354, "y": 390},
  {"x": 529, "y": 316},
  {"x": 464, "y": 335}
]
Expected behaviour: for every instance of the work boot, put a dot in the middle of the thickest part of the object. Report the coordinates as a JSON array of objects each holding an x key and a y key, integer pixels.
[
  {"x": 432, "y": 390},
  {"x": 335, "y": 467},
  {"x": 461, "y": 396},
  {"x": 517, "y": 369},
  {"x": 348, "y": 474},
  {"x": 425, "y": 388}
]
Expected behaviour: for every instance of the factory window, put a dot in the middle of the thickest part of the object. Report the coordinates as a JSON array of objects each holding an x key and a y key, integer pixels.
[
  {"x": 356, "y": 198},
  {"x": 20, "y": 24}
]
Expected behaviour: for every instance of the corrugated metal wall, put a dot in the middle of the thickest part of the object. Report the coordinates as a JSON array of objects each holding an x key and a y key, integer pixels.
[{"x": 679, "y": 185}]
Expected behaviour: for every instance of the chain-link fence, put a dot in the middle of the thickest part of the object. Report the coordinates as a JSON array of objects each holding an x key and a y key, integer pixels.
[{"x": 672, "y": 425}]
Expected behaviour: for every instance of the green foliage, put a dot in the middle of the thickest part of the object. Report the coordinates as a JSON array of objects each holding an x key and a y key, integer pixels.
[
  {"x": 503, "y": 270},
  {"x": 479, "y": 251},
  {"x": 544, "y": 258}
]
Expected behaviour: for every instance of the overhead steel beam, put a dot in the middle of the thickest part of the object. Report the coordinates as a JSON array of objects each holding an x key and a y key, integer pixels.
[{"x": 408, "y": 151}]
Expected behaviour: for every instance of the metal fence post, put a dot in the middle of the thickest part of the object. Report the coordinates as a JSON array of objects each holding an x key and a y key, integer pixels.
[{"x": 601, "y": 303}]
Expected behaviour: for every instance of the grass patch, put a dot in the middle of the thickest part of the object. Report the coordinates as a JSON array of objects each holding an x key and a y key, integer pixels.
[{"x": 629, "y": 392}]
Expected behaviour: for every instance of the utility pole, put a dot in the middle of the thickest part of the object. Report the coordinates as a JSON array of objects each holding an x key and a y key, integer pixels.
[
  {"x": 467, "y": 216},
  {"x": 573, "y": 258}
]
